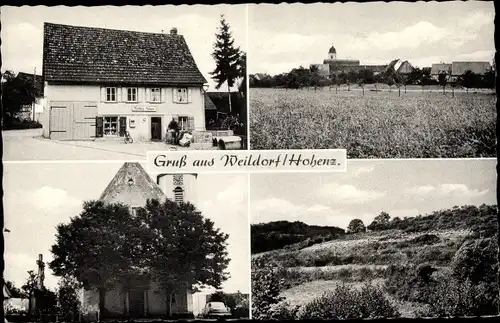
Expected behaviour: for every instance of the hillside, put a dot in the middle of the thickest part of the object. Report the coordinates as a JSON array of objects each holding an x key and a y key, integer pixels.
[
  {"x": 428, "y": 265},
  {"x": 279, "y": 234}
]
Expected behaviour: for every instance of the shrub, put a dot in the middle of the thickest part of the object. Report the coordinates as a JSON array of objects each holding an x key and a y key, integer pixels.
[
  {"x": 283, "y": 311},
  {"x": 425, "y": 239},
  {"x": 455, "y": 297},
  {"x": 350, "y": 303},
  {"x": 476, "y": 260},
  {"x": 20, "y": 124},
  {"x": 266, "y": 288}
]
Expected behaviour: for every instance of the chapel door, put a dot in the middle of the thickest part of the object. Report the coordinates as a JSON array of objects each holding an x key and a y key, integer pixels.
[{"x": 136, "y": 303}]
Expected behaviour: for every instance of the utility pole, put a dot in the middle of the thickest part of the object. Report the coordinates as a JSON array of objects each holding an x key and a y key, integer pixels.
[{"x": 34, "y": 86}]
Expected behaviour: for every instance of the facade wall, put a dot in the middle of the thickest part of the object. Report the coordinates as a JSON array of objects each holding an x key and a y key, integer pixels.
[
  {"x": 138, "y": 114},
  {"x": 168, "y": 186},
  {"x": 116, "y": 301}
]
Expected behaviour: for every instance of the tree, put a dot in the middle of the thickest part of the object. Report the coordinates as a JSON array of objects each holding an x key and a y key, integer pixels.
[
  {"x": 314, "y": 77},
  {"x": 443, "y": 80},
  {"x": 352, "y": 77},
  {"x": 340, "y": 79},
  {"x": 469, "y": 80},
  {"x": 30, "y": 287},
  {"x": 101, "y": 248},
  {"x": 266, "y": 288},
  {"x": 16, "y": 93},
  {"x": 488, "y": 79},
  {"x": 380, "y": 222},
  {"x": 184, "y": 249},
  {"x": 242, "y": 73},
  {"x": 227, "y": 59},
  {"x": 356, "y": 226},
  {"x": 14, "y": 291},
  {"x": 69, "y": 303}
]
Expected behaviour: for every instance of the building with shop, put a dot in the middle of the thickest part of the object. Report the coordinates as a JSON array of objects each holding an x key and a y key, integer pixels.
[
  {"x": 100, "y": 83},
  {"x": 132, "y": 186}
]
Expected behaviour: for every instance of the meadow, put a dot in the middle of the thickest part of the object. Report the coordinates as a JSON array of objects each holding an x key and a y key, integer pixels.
[
  {"x": 376, "y": 124},
  {"x": 443, "y": 271}
]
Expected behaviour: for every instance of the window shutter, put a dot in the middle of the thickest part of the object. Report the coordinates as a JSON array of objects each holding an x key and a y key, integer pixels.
[
  {"x": 148, "y": 94},
  {"x": 163, "y": 94},
  {"x": 99, "y": 127},
  {"x": 174, "y": 95},
  {"x": 191, "y": 123},
  {"x": 103, "y": 94},
  {"x": 123, "y": 126},
  {"x": 189, "y": 95}
]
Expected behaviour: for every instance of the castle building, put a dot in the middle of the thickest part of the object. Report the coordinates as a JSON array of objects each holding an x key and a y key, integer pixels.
[
  {"x": 333, "y": 66},
  {"x": 132, "y": 186}
]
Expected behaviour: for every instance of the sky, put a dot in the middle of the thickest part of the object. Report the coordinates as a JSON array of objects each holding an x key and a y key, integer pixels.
[
  {"x": 398, "y": 187},
  {"x": 39, "y": 196},
  {"x": 22, "y": 29},
  {"x": 285, "y": 36}
]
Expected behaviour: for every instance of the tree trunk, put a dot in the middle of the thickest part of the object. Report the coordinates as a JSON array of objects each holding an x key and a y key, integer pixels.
[
  {"x": 405, "y": 88},
  {"x": 229, "y": 97},
  {"x": 102, "y": 302},
  {"x": 363, "y": 88},
  {"x": 169, "y": 304},
  {"x": 399, "y": 91},
  {"x": 444, "y": 93}
]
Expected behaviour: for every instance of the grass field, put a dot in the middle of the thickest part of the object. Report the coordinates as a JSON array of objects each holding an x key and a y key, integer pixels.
[
  {"x": 364, "y": 258},
  {"x": 377, "y": 124}
]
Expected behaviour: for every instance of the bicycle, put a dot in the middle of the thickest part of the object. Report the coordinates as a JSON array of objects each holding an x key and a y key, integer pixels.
[{"x": 128, "y": 138}]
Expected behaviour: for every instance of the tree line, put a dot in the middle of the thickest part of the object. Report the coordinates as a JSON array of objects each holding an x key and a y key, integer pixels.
[{"x": 310, "y": 77}]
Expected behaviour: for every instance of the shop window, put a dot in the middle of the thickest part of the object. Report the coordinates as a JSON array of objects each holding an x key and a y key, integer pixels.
[
  {"x": 179, "y": 194},
  {"x": 181, "y": 95},
  {"x": 185, "y": 123},
  {"x": 110, "y": 126},
  {"x": 132, "y": 94},
  {"x": 111, "y": 94},
  {"x": 155, "y": 95}
]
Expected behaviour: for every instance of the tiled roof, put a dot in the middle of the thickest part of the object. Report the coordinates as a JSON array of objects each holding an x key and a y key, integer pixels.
[
  {"x": 132, "y": 186},
  {"x": 209, "y": 105},
  {"x": 438, "y": 68},
  {"x": 29, "y": 78},
  {"x": 97, "y": 55},
  {"x": 459, "y": 68}
]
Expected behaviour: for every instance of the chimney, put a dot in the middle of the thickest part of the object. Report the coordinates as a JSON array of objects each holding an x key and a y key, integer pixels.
[{"x": 173, "y": 31}]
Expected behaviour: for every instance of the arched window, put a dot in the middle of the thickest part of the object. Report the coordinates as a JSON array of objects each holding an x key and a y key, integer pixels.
[{"x": 179, "y": 194}]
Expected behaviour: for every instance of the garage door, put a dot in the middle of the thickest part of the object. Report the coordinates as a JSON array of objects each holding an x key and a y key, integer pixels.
[{"x": 72, "y": 120}]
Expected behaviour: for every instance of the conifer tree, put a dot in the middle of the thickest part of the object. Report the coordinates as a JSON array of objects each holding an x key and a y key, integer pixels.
[{"x": 227, "y": 59}]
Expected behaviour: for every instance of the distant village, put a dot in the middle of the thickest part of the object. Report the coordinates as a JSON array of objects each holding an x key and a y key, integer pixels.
[{"x": 339, "y": 71}]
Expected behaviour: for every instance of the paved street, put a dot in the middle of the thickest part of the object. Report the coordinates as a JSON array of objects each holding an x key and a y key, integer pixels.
[{"x": 29, "y": 145}]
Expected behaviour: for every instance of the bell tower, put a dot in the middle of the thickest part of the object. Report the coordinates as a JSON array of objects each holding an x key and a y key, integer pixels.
[
  {"x": 332, "y": 53},
  {"x": 178, "y": 187}
]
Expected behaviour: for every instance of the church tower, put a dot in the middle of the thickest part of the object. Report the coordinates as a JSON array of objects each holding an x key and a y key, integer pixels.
[
  {"x": 178, "y": 187},
  {"x": 332, "y": 53}
]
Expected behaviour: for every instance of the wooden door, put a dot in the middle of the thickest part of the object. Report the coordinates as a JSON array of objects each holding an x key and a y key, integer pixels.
[
  {"x": 136, "y": 303},
  {"x": 61, "y": 121},
  {"x": 155, "y": 128}
]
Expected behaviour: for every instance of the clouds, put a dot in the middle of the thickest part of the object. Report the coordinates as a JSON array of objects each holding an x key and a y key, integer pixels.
[
  {"x": 432, "y": 33},
  {"x": 456, "y": 191},
  {"x": 49, "y": 199},
  {"x": 349, "y": 194}
]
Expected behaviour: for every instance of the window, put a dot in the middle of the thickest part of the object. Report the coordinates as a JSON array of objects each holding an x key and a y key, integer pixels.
[
  {"x": 111, "y": 94},
  {"x": 178, "y": 179},
  {"x": 181, "y": 95},
  {"x": 132, "y": 94},
  {"x": 179, "y": 195},
  {"x": 183, "y": 123},
  {"x": 155, "y": 95},
  {"x": 110, "y": 126}
]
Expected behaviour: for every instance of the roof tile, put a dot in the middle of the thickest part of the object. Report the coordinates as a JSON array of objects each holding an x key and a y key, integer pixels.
[{"x": 98, "y": 55}]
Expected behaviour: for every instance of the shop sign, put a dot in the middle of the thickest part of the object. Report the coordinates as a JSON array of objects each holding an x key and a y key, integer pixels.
[{"x": 139, "y": 108}]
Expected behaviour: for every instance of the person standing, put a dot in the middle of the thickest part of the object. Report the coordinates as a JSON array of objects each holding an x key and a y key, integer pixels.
[{"x": 173, "y": 127}]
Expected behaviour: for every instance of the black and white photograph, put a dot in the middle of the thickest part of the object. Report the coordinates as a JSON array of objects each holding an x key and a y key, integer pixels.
[
  {"x": 386, "y": 239},
  {"x": 111, "y": 83},
  {"x": 380, "y": 79},
  {"x": 90, "y": 242}
]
